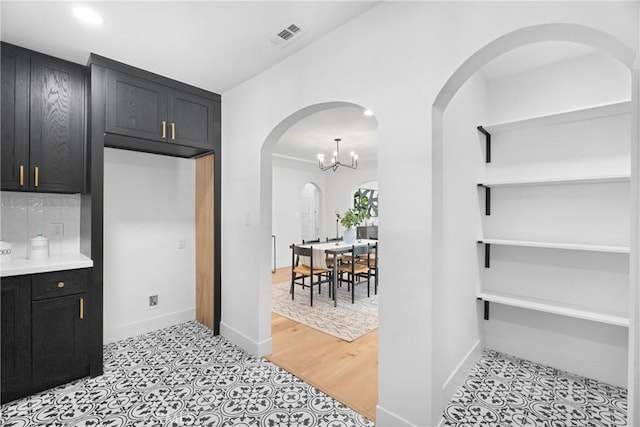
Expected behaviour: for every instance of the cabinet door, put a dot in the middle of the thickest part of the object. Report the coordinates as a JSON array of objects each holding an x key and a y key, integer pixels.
[
  {"x": 15, "y": 118},
  {"x": 15, "y": 335},
  {"x": 57, "y": 125},
  {"x": 59, "y": 334},
  {"x": 136, "y": 107},
  {"x": 191, "y": 119}
]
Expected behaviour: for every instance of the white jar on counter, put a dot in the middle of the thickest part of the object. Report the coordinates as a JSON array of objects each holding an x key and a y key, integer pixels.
[
  {"x": 39, "y": 247},
  {"x": 6, "y": 253}
]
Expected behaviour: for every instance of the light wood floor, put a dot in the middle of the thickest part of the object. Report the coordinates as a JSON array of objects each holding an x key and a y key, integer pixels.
[{"x": 346, "y": 371}]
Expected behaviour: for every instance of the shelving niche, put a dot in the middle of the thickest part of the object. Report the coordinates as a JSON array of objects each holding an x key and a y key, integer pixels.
[{"x": 555, "y": 236}]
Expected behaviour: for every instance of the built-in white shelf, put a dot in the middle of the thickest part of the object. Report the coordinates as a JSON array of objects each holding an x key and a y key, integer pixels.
[
  {"x": 554, "y": 245},
  {"x": 605, "y": 110},
  {"x": 625, "y": 177},
  {"x": 553, "y": 307}
]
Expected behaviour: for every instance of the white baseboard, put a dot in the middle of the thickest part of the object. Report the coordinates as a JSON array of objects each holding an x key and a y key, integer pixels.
[
  {"x": 148, "y": 325},
  {"x": 460, "y": 373},
  {"x": 256, "y": 349},
  {"x": 385, "y": 418}
]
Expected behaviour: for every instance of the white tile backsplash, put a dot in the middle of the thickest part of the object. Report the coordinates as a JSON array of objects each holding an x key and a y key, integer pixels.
[{"x": 24, "y": 215}]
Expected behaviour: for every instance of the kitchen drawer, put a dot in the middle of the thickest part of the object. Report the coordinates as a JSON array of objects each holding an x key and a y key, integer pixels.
[{"x": 59, "y": 283}]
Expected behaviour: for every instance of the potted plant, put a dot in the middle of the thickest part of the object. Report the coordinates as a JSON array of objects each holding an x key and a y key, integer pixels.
[{"x": 350, "y": 220}]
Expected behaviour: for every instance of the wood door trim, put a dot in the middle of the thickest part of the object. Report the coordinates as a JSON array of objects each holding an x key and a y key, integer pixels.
[{"x": 205, "y": 240}]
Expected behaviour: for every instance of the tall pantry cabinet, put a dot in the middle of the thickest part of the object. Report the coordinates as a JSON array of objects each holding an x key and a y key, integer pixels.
[{"x": 47, "y": 318}]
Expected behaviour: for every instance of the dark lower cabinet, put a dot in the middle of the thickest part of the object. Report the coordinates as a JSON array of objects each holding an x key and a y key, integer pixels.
[
  {"x": 59, "y": 333},
  {"x": 15, "y": 333},
  {"x": 45, "y": 331}
]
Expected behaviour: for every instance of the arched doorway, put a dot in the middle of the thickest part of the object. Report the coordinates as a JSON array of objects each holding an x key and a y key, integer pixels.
[
  {"x": 310, "y": 213},
  {"x": 314, "y": 195},
  {"x": 464, "y": 74}
]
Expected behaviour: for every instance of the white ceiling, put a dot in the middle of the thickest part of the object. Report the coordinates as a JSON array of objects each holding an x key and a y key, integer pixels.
[
  {"x": 534, "y": 56},
  {"x": 316, "y": 133},
  {"x": 214, "y": 45}
]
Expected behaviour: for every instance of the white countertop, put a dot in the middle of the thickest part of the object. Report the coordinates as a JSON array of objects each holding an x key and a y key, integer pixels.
[{"x": 20, "y": 266}]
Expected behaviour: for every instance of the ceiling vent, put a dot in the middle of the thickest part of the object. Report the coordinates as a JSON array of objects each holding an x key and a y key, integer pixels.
[{"x": 286, "y": 35}]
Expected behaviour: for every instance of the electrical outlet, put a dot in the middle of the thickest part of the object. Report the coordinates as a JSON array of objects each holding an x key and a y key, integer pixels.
[
  {"x": 182, "y": 243},
  {"x": 57, "y": 230},
  {"x": 153, "y": 301}
]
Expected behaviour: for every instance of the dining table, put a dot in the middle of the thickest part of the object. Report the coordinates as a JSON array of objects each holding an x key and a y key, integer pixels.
[{"x": 336, "y": 248}]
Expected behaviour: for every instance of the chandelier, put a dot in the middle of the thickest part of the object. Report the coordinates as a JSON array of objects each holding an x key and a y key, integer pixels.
[{"x": 335, "y": 160}]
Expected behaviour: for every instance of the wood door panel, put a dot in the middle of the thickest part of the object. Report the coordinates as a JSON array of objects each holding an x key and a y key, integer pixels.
[
  {"x": 57, "y": 125},
  {"x": 204, "y": 241},
  {"x": 15, "y": 118}
]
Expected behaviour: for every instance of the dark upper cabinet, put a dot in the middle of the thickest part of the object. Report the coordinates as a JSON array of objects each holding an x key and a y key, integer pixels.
[
  {"x": 141, "y": 108},
  {"x": 191, "y": 119},
  {"x": 15, "y": 117},
  {"x": 43, "y": 122},
  {"x": 15, "y": 334},
  {"x": 136, "y": 107},
  {"x": 57, "y": 133}
]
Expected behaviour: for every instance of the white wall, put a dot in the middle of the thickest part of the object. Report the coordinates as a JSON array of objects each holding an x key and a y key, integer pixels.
[
  {"x": 587, "y": 80},
  {"x": 394, "y": 59},
  {"x": 457, "y": 307},
  {"x": 149, "y": 207},
  {"x": 289, "y": 177}
]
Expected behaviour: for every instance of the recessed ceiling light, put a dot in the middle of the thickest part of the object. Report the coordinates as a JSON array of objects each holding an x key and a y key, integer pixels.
[
  {"x": 368, "y": 113},
  {"x": 87, "y": 15}
]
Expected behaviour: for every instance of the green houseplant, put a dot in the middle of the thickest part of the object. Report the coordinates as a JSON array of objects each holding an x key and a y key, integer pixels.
[{"x": 352, "y": 218}]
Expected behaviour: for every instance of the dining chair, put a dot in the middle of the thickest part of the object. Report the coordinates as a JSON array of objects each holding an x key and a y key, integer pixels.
[
  {"x": 372, "y": 263},
  {"x": 301, "y": 270},
  {"x": 329, "y": 259},
  {"x": 355, "y": 270}
]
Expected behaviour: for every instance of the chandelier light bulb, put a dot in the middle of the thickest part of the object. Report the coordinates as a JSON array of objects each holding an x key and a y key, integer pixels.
[{"x": 335, "y": 160}]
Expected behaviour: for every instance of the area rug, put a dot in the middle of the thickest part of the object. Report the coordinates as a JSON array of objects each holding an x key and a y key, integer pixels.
[{"x": 346, "y": 321}]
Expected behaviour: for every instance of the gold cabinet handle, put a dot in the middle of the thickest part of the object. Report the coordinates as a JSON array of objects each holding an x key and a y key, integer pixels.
[
  {"x": 164, "y": 129},
  {"x": 81, "y": 308},
  {"x": 173, "y": 131},
  {"x": 21, "y": 175},
  {"x": 60, "y": 285},
  {"x": 36, "y": 176}
]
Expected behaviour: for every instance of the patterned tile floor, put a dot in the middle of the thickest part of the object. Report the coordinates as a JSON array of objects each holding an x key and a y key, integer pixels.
[
  {"x": 182, "y": 376},
  {"x": 506, "y": 391}
]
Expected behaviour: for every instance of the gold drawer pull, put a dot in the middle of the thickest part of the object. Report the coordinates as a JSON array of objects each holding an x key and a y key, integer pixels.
[
  {"x": 164, "y": 129},
  {"x": 21, "y": 175},
  {"x": 36, "y": 176},
  {"x": 81, "y": 308},
  {"x": 60, "y": 285},
  {"x": 173, "y": 131}
]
